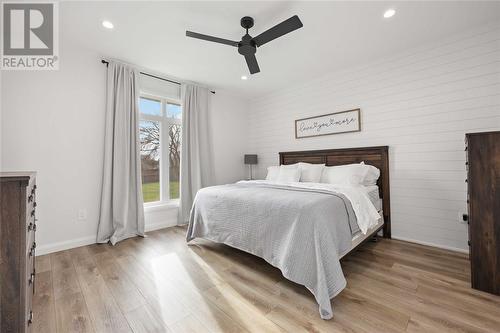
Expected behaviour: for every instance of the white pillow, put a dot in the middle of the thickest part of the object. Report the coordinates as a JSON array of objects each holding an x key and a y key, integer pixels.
[
  {"x": 290, "y": 166},
  {"x": 273, "y": 173},
  {"x": 371, "y": 176},
  {"x": 310, "y": 172},
  {"x": 349, "y": 174},
  {"x": 288, "y": 174}
]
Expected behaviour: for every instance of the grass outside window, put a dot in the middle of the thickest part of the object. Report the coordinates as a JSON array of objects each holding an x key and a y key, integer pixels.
[{"x": 151, "y": 191}]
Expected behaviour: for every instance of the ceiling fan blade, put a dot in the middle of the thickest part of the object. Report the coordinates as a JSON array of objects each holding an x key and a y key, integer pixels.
[
  {"x": 253, "y": 66},
  {"x": 211, "y": 38},
  {"x": 293, "y": 23}
]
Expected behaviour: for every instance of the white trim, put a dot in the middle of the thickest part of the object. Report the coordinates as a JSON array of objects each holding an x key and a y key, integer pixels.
[
  {"x": 450, "y": 248},
  {"x": 65, "y": 245},
  {"x": 160, "y": 225},
  {"x": 89, "y": 240},
  {"x": 161, "y": 205}
]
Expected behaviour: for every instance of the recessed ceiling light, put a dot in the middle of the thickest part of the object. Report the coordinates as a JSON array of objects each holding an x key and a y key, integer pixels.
[
  {"x": 107, "y": 25},
  {"x": 244, "y": 77},
  {"x": 389, "y": 13}
]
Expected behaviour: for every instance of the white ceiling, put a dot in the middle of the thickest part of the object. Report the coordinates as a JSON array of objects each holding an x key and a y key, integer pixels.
[{"x": 335, "y": 35}]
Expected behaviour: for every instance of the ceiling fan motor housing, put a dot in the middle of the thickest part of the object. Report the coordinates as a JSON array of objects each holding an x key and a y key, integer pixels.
[{"x": 247, "y": 45}]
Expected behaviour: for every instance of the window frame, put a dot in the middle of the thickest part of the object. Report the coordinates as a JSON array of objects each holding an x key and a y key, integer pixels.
[{"x": 165, "y": 123}]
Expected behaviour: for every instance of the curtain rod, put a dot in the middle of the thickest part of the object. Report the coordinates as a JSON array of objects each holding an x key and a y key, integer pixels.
[{"x": 151, "y": 75}]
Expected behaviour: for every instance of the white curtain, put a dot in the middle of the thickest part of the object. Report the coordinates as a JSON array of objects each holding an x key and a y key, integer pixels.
[
  {"x": 122, "y": 210},
  {"x": 196, "y": 149}
]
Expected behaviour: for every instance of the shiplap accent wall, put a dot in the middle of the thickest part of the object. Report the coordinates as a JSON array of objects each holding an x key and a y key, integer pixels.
[{"x": 420, "y": 104}]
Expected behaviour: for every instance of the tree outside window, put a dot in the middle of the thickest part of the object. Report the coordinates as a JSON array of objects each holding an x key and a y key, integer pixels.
[{"x": 160, "y": 121}]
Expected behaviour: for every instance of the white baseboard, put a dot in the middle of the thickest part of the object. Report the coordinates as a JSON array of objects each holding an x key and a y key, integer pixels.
[
  {"x": 72, "y": 243},
  {"x": 65, "y": 245},
  {"x": 450, "y": 248}
]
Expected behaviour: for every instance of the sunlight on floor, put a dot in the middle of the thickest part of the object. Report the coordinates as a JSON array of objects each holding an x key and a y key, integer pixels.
[{"x": 200, "y": 289}]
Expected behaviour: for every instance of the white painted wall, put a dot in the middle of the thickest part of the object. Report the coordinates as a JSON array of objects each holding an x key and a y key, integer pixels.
[
  {"x": 53, "y": 122},
  {"x": 421, "y": 104},
  {"x": 229, "y": 132}
]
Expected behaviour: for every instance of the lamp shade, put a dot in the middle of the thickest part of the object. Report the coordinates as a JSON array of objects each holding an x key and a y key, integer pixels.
[{"x": 251, "y": 159}]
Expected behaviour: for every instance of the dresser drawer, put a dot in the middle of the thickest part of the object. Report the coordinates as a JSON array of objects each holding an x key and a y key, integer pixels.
[
  {"x": 30, "y": 290},
  {"x": 31, "y": 213},
  {"x": 31, "y": 194},
  {"x": 29, "y": 309},
  {"x": 30, "y": 244},
  {"x": 30, "y": 204},
  {"x": 17, "y": 239}
]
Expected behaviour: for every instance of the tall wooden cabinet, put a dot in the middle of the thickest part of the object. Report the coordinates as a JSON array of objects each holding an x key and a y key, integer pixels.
[
  {"x": 483, "y": 162},
  {"x": 17, "y": 250}
]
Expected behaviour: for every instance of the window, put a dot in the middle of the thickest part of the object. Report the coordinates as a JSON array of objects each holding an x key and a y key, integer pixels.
[{"x": 160, "y": 136}]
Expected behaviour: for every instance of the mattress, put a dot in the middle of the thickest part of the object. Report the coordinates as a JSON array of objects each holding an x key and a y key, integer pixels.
[
  {"x": 360, "y": 237},
  {"x": 374, "y": 196}
]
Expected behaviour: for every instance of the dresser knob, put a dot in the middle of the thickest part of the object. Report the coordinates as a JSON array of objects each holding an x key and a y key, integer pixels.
[
  {"x": 33, "y": 213},
  {"x": 32, "y": 250},
  {"x": 30, "y": 198},
  {"x": 32, "y": 279}
]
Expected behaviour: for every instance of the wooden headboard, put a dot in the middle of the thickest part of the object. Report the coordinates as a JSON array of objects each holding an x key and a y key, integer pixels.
[{"x": 376, "y": 156}]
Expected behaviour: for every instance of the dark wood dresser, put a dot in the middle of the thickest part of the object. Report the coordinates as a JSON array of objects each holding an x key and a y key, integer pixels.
[
  {"x": 17, "y": 250},
  {"x": 483, "y": 178}
]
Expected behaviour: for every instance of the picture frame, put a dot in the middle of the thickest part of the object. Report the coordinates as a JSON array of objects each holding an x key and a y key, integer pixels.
[{"x": 328, "y": 124}]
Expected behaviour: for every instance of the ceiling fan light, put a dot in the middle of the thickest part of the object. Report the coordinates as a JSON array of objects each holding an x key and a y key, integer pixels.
[
  {"x": 389, "y": 13},
  {"x": 107, "y": 24}
]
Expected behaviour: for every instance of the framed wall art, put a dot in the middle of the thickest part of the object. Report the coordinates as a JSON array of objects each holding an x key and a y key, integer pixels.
[{"x": 327, "y": 124}]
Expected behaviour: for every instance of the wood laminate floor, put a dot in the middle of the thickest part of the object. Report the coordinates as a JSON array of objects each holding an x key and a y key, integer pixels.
[{"x": 159, "y": 284}]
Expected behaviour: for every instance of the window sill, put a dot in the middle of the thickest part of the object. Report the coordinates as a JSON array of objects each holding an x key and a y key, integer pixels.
[{"x": 155, "y": 206}]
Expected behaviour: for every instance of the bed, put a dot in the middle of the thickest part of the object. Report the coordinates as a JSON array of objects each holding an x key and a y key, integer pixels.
[{"x": 304, "y": 229}]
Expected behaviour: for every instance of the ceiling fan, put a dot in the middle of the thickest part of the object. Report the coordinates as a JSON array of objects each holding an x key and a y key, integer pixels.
[{"x": 248, "y": 44}]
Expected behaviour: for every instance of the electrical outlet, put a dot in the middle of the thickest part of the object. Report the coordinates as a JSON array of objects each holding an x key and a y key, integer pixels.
[{"x": 82, "y": 214}]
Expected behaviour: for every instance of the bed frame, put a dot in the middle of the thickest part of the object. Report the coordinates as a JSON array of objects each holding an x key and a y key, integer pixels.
[{"x": 376, "y": 156}]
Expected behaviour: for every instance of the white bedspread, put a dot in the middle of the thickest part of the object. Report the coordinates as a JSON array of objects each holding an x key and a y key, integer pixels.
[
  {"x": 301, "y": 228},
  {"x": 366, "y": 213}
]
